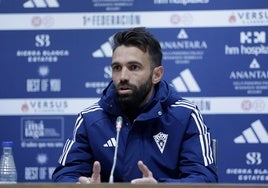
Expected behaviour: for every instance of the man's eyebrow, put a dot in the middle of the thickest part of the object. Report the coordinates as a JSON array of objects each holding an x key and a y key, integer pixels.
[
  {"x": 114, "y": 63},
  {"x": 134, "y": 62},
  {"x": 129, "y": 62}
]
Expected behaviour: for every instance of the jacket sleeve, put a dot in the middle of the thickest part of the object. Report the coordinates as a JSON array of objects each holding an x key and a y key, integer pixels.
[
  {"x": 74, "y": 161},
  {"x": 196, "y": 162}
]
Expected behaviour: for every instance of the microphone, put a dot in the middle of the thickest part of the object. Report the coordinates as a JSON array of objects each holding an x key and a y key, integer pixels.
[{"x": 119, "y": 122}]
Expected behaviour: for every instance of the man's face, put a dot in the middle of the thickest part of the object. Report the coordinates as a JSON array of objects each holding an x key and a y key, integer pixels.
[{"x": 132, "y": 76}]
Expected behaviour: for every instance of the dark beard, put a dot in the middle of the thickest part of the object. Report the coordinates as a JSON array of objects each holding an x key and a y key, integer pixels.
[{"x": 131, "y": 104}]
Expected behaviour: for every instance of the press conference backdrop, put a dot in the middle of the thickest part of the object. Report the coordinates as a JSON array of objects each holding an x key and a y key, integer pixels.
[{"x": 55, "y": 60}]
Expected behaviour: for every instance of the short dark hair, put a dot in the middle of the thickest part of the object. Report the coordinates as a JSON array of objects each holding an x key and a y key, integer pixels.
[{"x": 139, "y": 37}]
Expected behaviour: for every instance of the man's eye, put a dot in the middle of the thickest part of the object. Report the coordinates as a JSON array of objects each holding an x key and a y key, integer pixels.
[
  {"x": 134, "y": 67},
  {"x": 116, "y": 68}
]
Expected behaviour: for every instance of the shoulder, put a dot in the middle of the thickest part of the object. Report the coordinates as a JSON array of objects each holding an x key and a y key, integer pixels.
[
  {"x": 184, "y": 106},
  {"x": 92, "y": 109},
  {"x": 91, "y": 113},
  {"x": 184, "y": 103}
]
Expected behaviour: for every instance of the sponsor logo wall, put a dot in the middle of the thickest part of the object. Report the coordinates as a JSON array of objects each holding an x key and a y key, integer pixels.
[{"x": 55, "y": 60}]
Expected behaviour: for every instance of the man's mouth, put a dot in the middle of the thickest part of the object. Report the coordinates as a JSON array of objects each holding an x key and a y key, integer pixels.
[{"x": 123, "y": 90}]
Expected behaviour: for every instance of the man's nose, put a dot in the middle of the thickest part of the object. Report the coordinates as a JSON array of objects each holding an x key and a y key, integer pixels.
[{"x": 124, "y": 74}]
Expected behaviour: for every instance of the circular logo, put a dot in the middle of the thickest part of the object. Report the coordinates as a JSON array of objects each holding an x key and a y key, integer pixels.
[
  {"x": 259, "y": 105},
  {"x": 36, "y": 21},
  {"x": 187, "y": 19},
  {"x": 48, "y": 21},
  {"x": 246, "y": 105},
  {"x": 175, "y": 19}
]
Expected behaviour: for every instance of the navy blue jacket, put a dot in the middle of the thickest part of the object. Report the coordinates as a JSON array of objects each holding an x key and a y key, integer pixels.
[{"x": 169, "y": 136}]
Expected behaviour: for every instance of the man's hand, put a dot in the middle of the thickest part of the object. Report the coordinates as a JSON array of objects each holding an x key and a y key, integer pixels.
[
  {"x": 95, "y": 177},
  {"x": 147, "y": 175}
]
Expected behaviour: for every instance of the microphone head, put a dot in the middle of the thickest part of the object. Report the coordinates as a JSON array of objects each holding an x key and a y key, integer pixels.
[{"x": 119, "y": 122}]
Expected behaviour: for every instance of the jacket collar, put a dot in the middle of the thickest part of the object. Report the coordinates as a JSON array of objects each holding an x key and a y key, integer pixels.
[{"x": 163, "y": 96}]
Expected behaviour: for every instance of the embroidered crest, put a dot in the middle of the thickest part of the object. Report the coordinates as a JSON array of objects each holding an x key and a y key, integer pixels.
[{"x": 161, "y": 140}]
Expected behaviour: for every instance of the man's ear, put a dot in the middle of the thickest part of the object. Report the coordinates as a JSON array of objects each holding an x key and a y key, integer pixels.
[{"x": 157, "y": 74}]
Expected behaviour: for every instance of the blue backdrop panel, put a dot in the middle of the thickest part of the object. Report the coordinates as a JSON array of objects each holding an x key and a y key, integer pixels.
[
  {"x": 241, "y": 157},
  {"x": 67, "y": 57},
  {"x": 44, "y": 56},
  {"x": 216, "y": 69},
  {"x": 16, "y": 6},
  {"x": 38, "y": 141}
]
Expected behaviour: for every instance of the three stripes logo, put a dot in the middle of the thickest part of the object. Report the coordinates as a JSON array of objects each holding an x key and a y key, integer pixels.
[
  {"x": 255, "y": 134},
  {"x": 105, "y": 49},
  {"x": 185, "y": 82},
  {"x": 41, "y": 4},
  {"x": 110, "y": 143}
]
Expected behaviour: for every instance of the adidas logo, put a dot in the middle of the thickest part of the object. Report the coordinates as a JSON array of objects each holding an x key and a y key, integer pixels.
[
  {"x": 110, "y": 143},
  {"x": 255, "y": 134},
  {"x": 185, "y": 82},
  {"x": 105, "y": 49},
  {"x": 41, "y": 4}
]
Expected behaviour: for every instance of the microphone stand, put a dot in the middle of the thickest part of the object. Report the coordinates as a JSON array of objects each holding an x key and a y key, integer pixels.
[{"x": 118, "y": 128}]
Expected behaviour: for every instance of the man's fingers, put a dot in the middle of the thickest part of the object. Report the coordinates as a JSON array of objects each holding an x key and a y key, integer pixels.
[
  {"x": 83, "y": 180},
  {"x": 95, "y": 178},
  {"x": 96, "y": 167},
  {"x": 146, "y": 173},
  {"x": 144, "y": 169}
]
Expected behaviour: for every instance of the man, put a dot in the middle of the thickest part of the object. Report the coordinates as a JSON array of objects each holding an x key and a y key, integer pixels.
[{"x": 163, "y": 137}]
